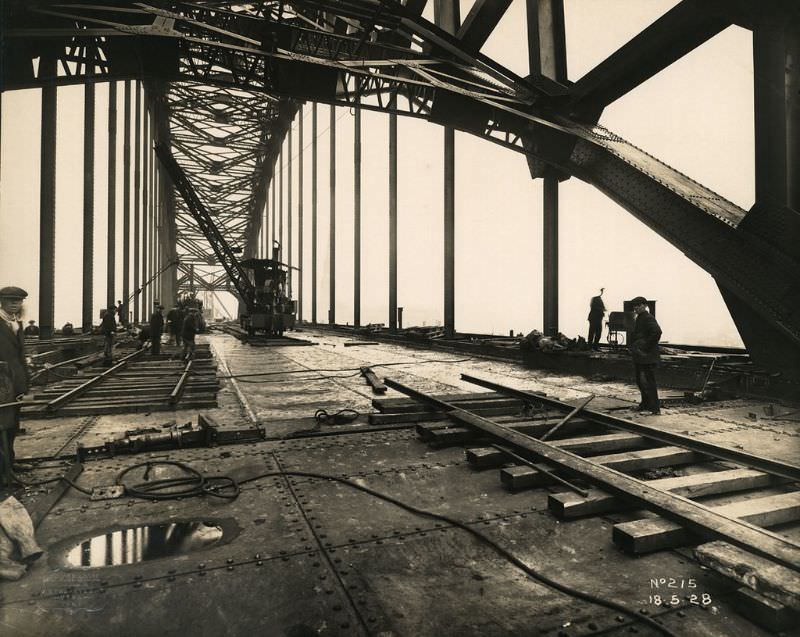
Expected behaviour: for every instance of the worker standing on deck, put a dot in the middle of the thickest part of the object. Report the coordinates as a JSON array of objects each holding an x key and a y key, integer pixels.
[
  {"x": 107, "y": 328},
  {"x": 120, "y": 310},
  {"x": 597, "y": 310},
  {"x": 14, "y": 371},
  {"x": 32, "y": 329},
  {"x": 156, "y": 329},
  {"x": 644, "y": 349},
  {"x": 175, "y": 324},
  {"x": 188, "y": 332}
]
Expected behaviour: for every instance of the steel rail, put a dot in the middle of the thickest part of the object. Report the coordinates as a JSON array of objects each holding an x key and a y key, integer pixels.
[
  {"x": 767, "y": 465},
  {"x": 696, "y": 517},
  {"x": 177, "y": 392},
  {"x": 72, "y": 394}
]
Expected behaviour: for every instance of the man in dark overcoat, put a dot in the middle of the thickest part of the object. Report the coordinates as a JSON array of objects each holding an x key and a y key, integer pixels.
[
  {"x": 156, "y": 329},
  {"x": 14, "y": 368},
  {"x": 108, "y": 327},
  {"x": 643, "y": 345},
  {"x": 597, "y": 310}
]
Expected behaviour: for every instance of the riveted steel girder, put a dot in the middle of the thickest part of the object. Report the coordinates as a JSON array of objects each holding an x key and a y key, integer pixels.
[{"x": 241, "y": 63}]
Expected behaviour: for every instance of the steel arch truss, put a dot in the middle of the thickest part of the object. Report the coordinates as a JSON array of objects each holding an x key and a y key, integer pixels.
[{"x": 235, "y": 68}]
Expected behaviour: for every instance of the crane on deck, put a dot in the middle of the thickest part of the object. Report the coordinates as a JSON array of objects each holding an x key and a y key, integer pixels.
[{"x": 259, "y": 283}]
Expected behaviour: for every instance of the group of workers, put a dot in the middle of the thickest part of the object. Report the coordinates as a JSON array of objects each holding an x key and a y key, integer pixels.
[
  {"x": 14, "y": 369},
  {"x": 642, "y": 344},
  {"x": 181, "y": 325}
]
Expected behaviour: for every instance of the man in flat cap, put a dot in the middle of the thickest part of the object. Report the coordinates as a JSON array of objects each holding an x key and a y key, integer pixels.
[
  {"x": 644, "y": 350},
  {"x": 13, "y": 368}
]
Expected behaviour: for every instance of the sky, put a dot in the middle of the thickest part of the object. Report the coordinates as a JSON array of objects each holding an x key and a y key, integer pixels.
[{"x": 696, "y": 115}]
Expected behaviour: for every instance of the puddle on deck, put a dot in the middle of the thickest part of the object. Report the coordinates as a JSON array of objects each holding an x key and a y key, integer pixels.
[{"x": 142, "y": 543}]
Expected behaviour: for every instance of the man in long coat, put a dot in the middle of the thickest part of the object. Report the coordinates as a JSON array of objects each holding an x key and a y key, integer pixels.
[
  {"x": 13, "y": 367},
  {"x": 156, "y": 329},
  {"x": 643, "y": 346},
  {"x": 597, "y": 310}
]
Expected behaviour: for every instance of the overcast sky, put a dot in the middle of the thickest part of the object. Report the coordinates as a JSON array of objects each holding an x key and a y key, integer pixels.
[{"x": 696, "y": 115}]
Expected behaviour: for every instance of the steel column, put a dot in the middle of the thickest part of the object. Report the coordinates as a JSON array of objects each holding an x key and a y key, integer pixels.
[
  {"x": 47, "y": 200},
  {"x": 274, "y": 225},
  {"x": 776, "y": 71},
  {"x": 159, "y": 256},
  {"x": 289, "y": 209},
  {"x": 152, "y": 202},
  {"x": 112, "y": 194},
  {"x": 300, "y": 212},
  {"x": 146, "y": 212},
  {"x": 547, "y": 57},
  {"x": 357, "y": 218},
  {"x": 314, "y": 212},
  {"x": 550, "y": 254},
  {"x": 280, "y": 199},
  {"x": 137, "y": 186},
  {"x": 792, "y": 82},
  {"x": 265, "y": 224},
  {"x": 393, "y": 221},
  {"x": 88, "y": 205},
  {"x": 449, "y": 230},
  {"x": 332, "y": 249},
  {"x": 126, "y": 202},
  {"x": 447, "y": 16}
]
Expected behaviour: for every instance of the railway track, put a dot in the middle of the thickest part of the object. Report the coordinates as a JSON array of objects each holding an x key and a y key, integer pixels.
[
  {"x": 673, "y": 490},
  {"x": 138, "y": 381}
]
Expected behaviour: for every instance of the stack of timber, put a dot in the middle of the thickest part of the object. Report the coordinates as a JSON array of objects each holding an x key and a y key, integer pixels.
[
  {"x": 406, "y": 410},
  {"x": 136, "y": 382}
]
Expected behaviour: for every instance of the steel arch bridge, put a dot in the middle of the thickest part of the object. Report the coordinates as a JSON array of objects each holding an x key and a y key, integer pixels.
[{"x": 224, "y": 80}]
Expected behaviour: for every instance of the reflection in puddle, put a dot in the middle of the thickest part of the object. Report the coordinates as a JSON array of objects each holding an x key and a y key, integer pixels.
[{"x": 142, "y": 543}]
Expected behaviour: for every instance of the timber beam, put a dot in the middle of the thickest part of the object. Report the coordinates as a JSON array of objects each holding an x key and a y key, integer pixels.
[{"x": 700, "y": 519}]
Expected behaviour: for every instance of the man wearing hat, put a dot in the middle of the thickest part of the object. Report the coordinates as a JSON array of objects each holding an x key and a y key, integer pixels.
[
  {"x": 108, "y": 326},
  {"x": 597, "y": 310},
  {"x": 13, "y": 367},
  {"x": 643, "y": 346}
]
